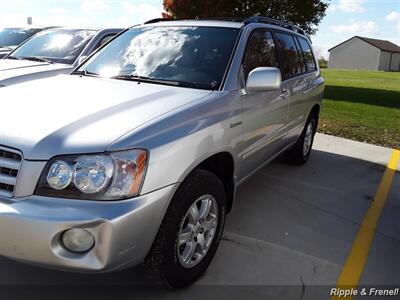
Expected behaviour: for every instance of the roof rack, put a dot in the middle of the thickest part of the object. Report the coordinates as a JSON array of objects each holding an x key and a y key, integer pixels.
[
  {"x": 156, "y": 20},
  {"x": 246, "y": 21},
  {"x": 227, "y": 19},
  {"x": 258, "y": 19}
]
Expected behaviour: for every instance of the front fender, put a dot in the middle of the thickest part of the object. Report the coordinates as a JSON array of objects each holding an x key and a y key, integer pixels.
[{"x": 181, "y": 140}]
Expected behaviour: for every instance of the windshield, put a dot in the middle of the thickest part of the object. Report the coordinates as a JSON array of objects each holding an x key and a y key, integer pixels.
[
  {"x": 57, "y": 45},
  {"x": 186, "y": 56},
  {"x": 12, "y": 37}
]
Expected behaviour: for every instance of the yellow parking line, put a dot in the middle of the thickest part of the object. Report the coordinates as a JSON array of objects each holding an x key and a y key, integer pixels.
[{"x": 355, "y": 263}]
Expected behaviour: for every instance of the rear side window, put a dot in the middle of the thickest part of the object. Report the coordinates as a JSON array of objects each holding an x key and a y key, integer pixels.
[
  {"x": 260, "y": 52},
  {"x": 308, "y": 55},
  {"x": 291, "y": 59},
  {"x": 300, "y": 57}
]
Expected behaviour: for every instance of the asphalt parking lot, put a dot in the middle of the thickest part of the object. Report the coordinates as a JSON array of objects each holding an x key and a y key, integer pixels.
[{"x": 290, "y": 232}]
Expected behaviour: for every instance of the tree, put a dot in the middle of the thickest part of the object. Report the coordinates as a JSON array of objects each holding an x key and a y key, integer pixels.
[
  {"x": 305, "y": 13},
  {"x": 322, "y": 61}
]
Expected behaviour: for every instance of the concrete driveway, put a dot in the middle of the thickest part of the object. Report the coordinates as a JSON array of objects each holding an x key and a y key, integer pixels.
[{"x": 288, "y": 237}]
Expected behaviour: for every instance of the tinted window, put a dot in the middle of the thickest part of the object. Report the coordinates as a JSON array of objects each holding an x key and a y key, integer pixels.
[
  {"x": 291, "y": 60},
  {"x": 104, "y": 40},
  {"x": 12, "y": 37},
  {"x": 301, "y": 60},
  {"x": 187, "y": 56},
  {"x": 308, "y": 55},
  {"x": 58, "y": 45},
  {"x": 260, "y": 52}
]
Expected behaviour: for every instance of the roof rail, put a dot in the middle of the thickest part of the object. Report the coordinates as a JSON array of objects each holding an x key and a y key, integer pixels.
[
  {"x": 228, "y": 19},
  {"x": 158, "y": 20},
  {"x": 258, "y": 19},
  {"x": 246, "y": 21}
]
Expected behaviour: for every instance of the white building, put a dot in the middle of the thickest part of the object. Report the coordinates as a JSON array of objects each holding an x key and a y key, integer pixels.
[{"x": 360, "y": 53}]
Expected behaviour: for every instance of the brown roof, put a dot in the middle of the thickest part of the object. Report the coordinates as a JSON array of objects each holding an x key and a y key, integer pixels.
[{"x": 380, "y": 44}]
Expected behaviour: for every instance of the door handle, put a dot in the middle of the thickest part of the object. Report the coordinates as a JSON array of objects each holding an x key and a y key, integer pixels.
[
  {"x": 235, "y": 124},
  {"x": 285, "y": 94}
]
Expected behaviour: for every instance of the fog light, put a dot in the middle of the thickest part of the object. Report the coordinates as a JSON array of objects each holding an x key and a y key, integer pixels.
[{"x": 77, "y": 240}]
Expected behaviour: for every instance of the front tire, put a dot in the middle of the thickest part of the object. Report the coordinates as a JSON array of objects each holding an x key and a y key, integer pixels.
[{"x": 190, "y": 233}]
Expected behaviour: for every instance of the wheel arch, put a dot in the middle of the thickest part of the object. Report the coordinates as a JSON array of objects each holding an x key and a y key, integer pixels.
[
  {"x": 315, "y": 110},
  {"x": 222, "y": 164}
]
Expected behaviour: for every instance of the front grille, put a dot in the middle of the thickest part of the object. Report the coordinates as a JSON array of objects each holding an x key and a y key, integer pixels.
[{"x": 10, "y": 163}]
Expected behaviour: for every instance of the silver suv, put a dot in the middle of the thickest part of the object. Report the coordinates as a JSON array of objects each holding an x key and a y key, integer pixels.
[
  {"x": 10, "y": 38},
  {"x": 52, "y": 52},
  {"x": 135, "y": 156}
]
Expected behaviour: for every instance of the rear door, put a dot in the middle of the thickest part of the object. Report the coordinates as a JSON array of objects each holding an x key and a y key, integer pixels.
[
  {"x": 295, "y": 82},
  {"x": 310, "y": 84},
  {"x": 265, "y": 113}
]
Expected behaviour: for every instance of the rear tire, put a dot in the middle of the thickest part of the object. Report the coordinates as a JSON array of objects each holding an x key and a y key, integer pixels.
[
  {"x": 169, "y": 260},
  {"x": 300, "y": 153}
]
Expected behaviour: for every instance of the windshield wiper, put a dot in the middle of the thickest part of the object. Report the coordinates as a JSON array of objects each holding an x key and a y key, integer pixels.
[
  {"x": 85, "y": 73},
  {"x": 37, "y": 58},
  {"x": 147, "y": 79},
  {"x": 12, "y": 57}
]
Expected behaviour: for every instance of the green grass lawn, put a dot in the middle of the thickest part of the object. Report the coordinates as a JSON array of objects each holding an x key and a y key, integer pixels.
[{"x": 362, "y": 106}]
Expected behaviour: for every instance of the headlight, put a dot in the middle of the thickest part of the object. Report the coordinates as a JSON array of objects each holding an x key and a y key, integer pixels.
[
  {"x": 112, "y": 176},
  {"x": 93, "y": 173},
  {"x": 59, "y": 175}
]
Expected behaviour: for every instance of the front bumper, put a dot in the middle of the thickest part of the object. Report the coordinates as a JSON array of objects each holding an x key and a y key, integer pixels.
[{"x": 124, "y": 231}]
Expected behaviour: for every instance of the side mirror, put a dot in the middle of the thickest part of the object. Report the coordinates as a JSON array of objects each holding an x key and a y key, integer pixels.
[
  {"x": 264, "y": 79},
  {"x": 82, "y": 59}
]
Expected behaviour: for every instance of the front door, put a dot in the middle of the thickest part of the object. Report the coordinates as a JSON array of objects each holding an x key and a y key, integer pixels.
[{"x": 265, "y": 113}]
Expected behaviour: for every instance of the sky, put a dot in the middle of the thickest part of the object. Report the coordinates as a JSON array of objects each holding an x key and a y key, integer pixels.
[{"x": 344, "y": 19}]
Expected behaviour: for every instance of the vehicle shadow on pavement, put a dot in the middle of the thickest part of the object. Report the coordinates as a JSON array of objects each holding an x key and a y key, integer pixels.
[{"x": 288, "y": 235}]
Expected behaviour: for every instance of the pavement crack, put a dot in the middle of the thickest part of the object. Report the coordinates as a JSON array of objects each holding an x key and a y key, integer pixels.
[
  {"x": 231, "y": 240},
  {"x": 224, "y": 238},
  {"x": 248, "y": 241},
  {"x": 370, "y": 198},
  {"x": 303, "y": 288}
]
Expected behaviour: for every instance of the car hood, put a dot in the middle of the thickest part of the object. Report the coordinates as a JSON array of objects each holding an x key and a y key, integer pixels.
[
  {"x": 70, "y": 114},
  {"x": 15, "y": 70},
  {"x": 4, "y": 52},
  {"x": 12, "y": 64}
]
